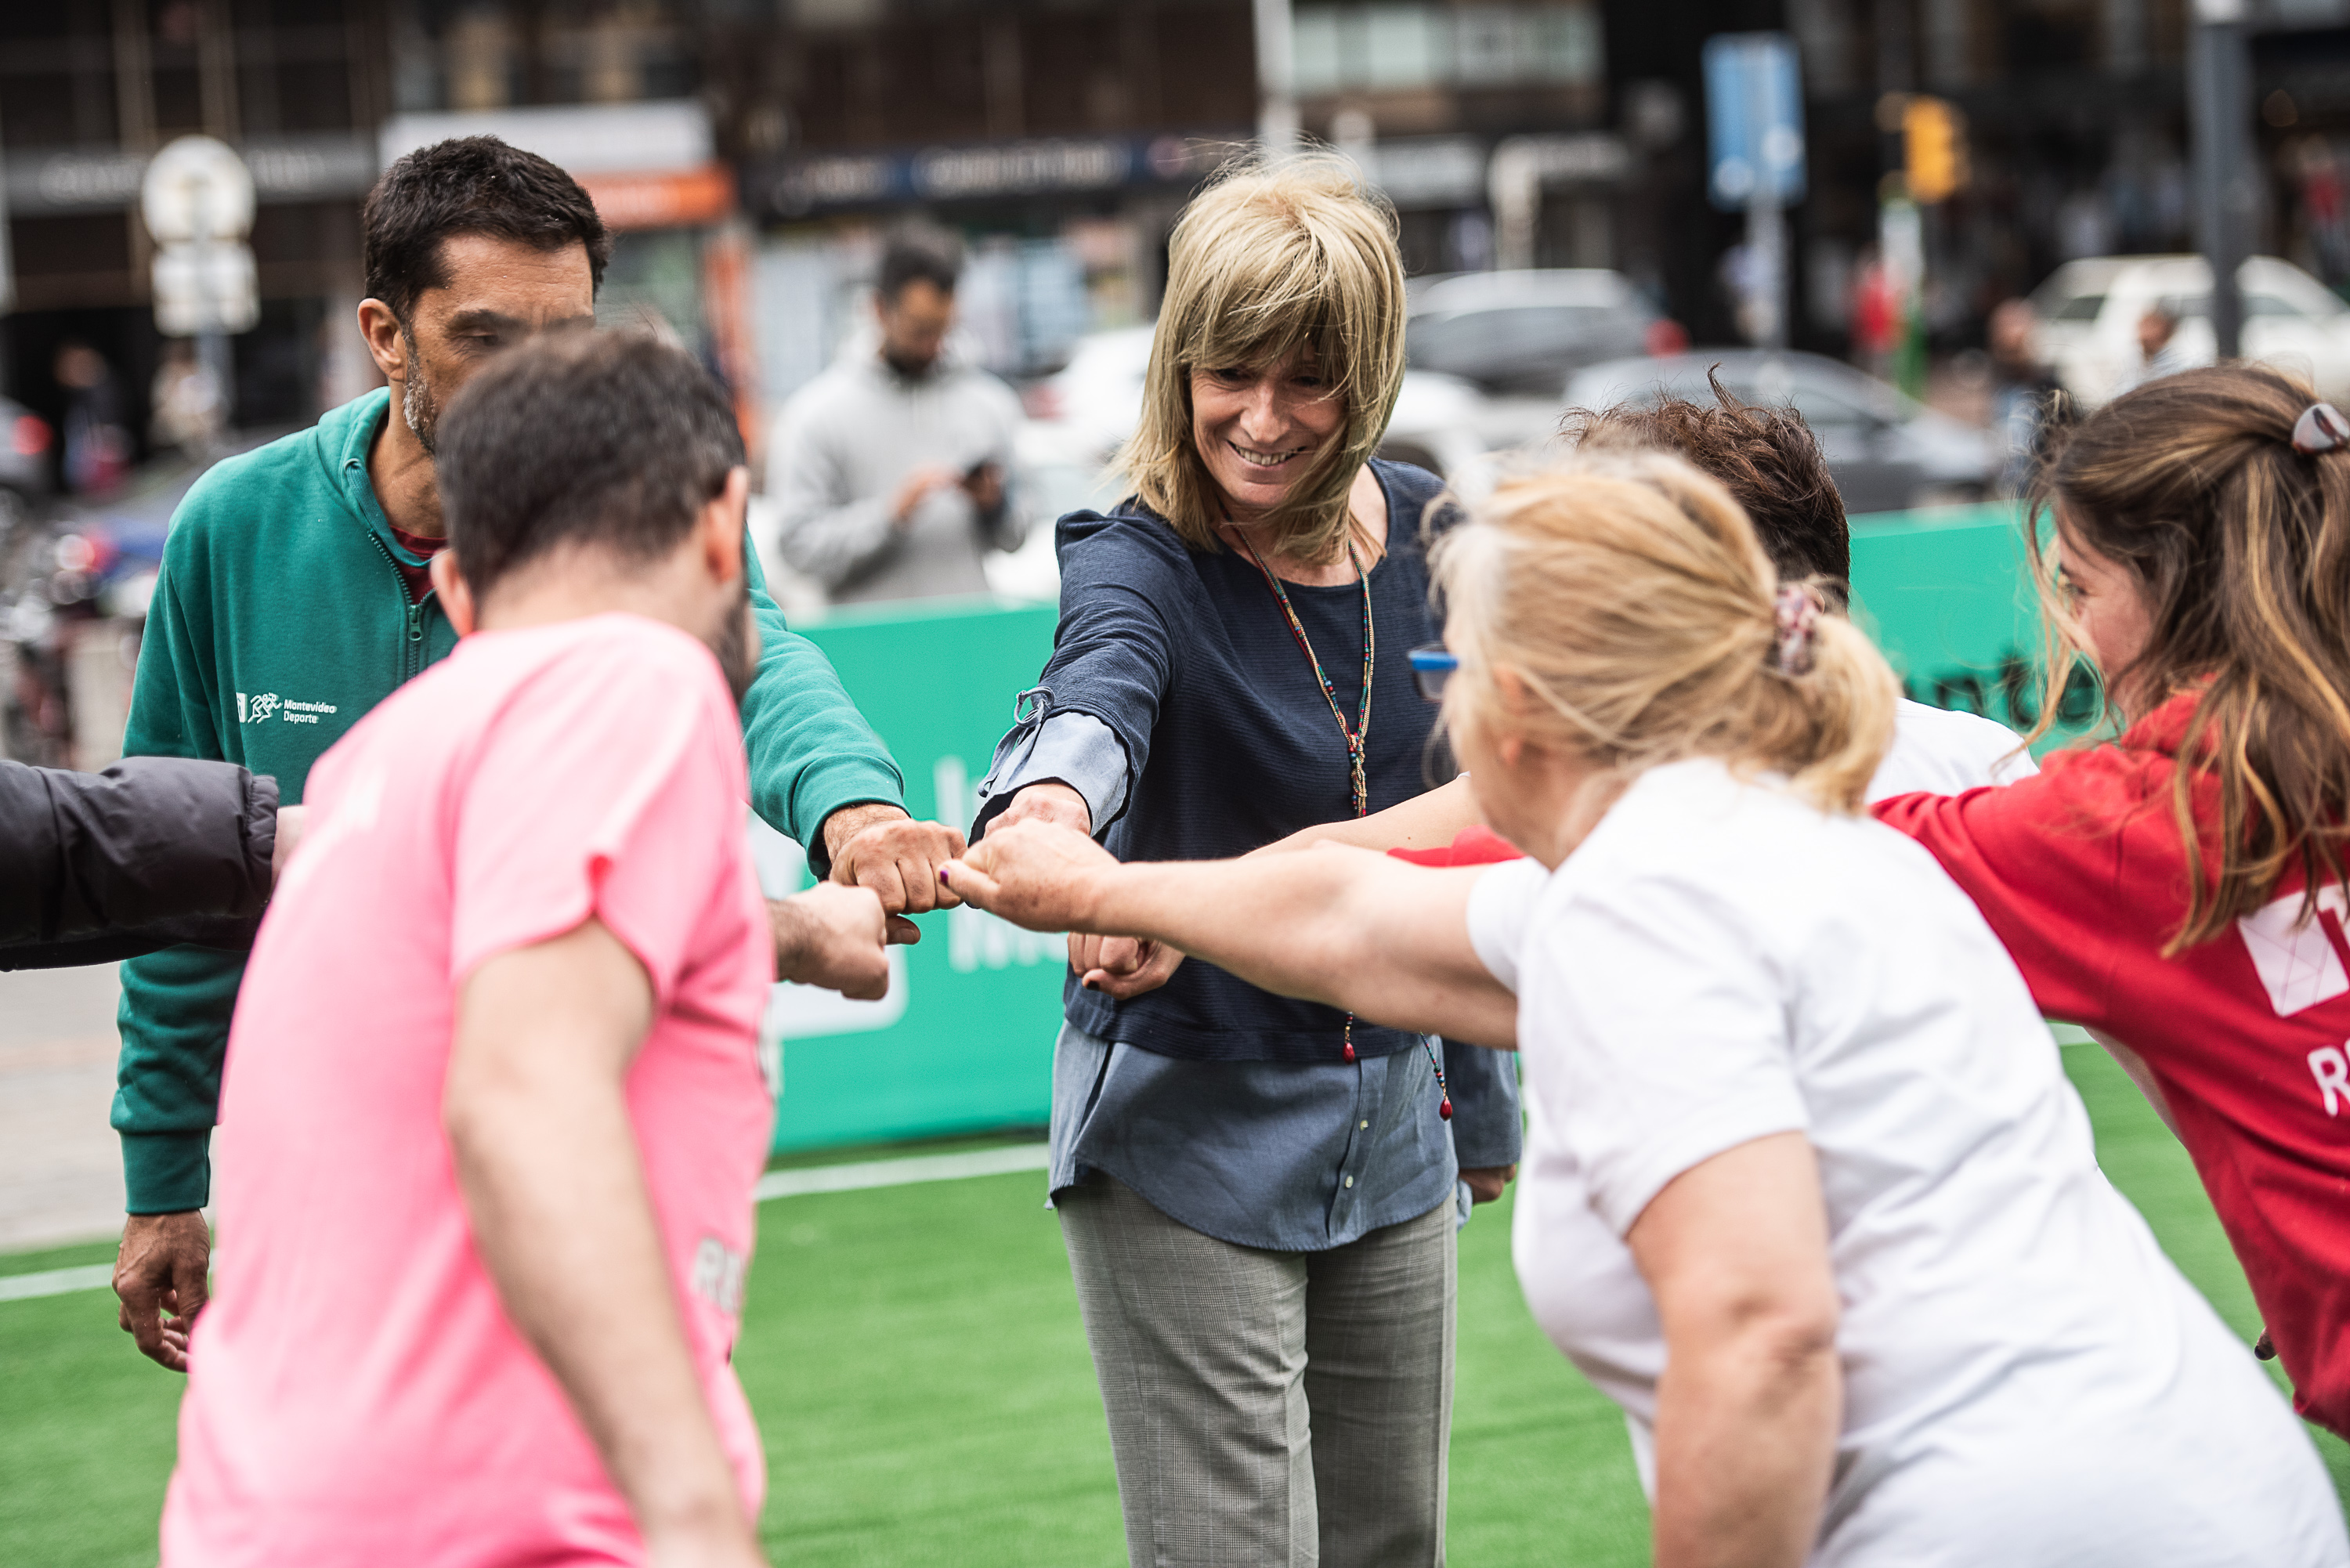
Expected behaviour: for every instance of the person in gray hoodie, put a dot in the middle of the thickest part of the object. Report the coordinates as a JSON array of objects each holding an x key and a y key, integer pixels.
[{"x": 892, "y": 471}]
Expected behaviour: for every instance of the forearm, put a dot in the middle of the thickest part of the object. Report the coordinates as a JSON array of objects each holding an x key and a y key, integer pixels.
[
  {"x": 151, "y": 840},
  {"x": 833, "y": 543},
  {"x": 1746, "y": 1429},
  {"x": 811, "y": 751},
  {"x": 175, "y": 1022},
  {"x": 560, "y": 1212},
  {"x": 1351, "y": 929},
  {"x": 1424, "y": 822}
]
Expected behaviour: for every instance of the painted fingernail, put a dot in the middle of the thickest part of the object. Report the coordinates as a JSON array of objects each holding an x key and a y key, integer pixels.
[{"x": 943, "y": 873}]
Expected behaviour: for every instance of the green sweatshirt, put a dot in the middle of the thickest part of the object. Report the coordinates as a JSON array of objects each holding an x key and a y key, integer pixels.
[{"x": 279, "y": 621}]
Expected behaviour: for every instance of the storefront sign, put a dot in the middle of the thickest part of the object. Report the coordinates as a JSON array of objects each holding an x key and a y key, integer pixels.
[
  {"x": 825, "y": 181},
  {"x": 662, "y": 200},
  {"x": 285, "y": 168}
]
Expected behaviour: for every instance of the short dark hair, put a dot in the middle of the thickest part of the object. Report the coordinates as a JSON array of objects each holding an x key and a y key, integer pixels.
[
  {"x": 469, "y": 185},
  {"x": 610, "y": 439},
  {"x": 915, "y": 261},
  {"x": 1766, "y": 458}
]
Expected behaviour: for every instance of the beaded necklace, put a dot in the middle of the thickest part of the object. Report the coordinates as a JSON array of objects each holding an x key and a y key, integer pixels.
[{"x": 1358, "y": 738}]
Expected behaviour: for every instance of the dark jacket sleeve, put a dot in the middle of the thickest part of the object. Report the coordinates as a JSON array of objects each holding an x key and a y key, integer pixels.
[
  {"x": 1114, "y": 651},
  {"x": 151, "y": 852}
]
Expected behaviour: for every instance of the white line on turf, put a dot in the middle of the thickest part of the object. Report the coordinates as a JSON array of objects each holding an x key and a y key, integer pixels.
[
  {"x": 54, "y": 1281},
  {"x": 902, "y": 1172},
  {"x": 851, "y": 1178}
]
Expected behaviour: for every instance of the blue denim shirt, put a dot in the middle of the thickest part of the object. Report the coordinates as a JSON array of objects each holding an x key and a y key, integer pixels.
[
  {"x": 1291, "y": 1156},
  {"x": 1194, "y": 728}
]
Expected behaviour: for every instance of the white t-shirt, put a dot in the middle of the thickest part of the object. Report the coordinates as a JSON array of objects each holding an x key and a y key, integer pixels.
[
  {"x": 1943, "y": 750},
  {"x": 2027, "y": 1380}
]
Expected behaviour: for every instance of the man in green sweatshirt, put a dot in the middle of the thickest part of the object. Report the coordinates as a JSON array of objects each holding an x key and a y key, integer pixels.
[{"x": 296, "y": 595}]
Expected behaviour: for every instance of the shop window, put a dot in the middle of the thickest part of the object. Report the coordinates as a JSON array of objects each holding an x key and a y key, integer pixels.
[{"x": 1400, "y": 48}]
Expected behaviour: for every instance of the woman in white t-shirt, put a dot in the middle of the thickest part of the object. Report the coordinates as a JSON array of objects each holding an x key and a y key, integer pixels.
[{"x": 1806, "y": 1188}]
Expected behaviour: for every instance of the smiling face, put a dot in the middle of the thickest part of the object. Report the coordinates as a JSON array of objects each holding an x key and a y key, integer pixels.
[
  {"x": 1258, "y": 428},
  {"x": 2110, "y": 616}
]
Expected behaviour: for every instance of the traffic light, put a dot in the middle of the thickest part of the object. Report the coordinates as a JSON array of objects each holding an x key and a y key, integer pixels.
[{"x": 1934, "y": 148}]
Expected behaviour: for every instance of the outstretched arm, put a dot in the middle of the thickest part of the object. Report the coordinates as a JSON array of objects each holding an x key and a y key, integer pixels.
[
  {"x": 1384, "y": 939},
  {"x": 1424, "y": 822},
  {"x": 1123, "y": 967}
]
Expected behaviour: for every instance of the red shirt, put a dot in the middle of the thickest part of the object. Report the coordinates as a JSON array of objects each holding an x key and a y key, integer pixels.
[
  {"x": 2083, "y": 874},
  {"x": 418, "y": 578}
]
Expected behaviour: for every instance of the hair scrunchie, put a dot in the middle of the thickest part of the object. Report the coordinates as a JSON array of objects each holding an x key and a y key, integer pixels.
[
  {"x": 1795, "y": 627},
  {"x": 2320, "y": 429}
]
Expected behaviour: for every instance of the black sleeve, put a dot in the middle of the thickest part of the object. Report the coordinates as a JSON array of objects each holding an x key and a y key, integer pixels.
[{"x": 154, "y": 850}]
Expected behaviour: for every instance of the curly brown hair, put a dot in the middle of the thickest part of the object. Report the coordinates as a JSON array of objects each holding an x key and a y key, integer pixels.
[{"x": 1766, "y": 458}]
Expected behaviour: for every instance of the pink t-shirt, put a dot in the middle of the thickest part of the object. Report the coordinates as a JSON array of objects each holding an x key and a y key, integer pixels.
[{"x": 356, "y": 1392}]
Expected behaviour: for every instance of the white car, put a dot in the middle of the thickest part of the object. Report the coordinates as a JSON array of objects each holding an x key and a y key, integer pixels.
[{"x": 2089, "y": 312}]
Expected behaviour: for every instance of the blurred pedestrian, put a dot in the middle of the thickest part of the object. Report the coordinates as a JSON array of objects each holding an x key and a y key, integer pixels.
[
  {"x": 496, "y": 1067},
  {"x": 2026, "y": 397},
  {"x": 2158, "y": 347},
  {"x": 893, "y": 471},
  {"x": 1259, "y": 1196},
  {"x": 296, "y": 595},
  {"x": 97, "y": 446},
  {"x": 189, "y": 409}
]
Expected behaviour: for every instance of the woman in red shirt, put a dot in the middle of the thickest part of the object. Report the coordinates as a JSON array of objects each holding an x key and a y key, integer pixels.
[{"x": 2180, "y": 891}]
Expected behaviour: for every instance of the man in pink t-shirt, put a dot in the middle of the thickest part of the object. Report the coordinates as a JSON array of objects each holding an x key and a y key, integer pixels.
[{"x": 494, "y": 1081}]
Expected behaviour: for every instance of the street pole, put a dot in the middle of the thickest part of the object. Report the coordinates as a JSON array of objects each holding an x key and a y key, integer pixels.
[
  {"x": 2227, "y": 199},
  {"x": 1766, "y": 249},
  {"x": 1276, "y": 125}
]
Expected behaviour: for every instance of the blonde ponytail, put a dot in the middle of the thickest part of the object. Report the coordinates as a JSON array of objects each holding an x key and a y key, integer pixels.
[{"x": 1628, "y": 594}]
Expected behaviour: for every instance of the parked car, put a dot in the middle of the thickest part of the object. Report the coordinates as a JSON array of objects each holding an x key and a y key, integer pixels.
[
  {"x": 1886, "y": 452},
  {"x": 2089, "y": 312},
  {"x": 1525, "y": 331}
]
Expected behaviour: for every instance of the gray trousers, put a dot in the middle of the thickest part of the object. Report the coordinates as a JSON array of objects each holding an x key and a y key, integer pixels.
[{"x": 1269, "y": 1410}]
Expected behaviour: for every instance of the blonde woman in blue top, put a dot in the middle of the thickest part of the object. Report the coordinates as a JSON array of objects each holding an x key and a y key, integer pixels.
[{"x": 1258, "y": 1195}]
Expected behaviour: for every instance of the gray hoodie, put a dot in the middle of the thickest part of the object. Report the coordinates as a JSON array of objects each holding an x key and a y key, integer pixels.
[{"x": 843, "y": 445}]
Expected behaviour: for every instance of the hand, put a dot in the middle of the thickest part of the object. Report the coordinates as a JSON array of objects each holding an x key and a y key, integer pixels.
[
  {"x": 1121, "y": 967},
  {"x": 879, "y": 846},
  {"x": 1486, "y": 1181},
  {"x": 1051, "y": 801},
  {"x": 919, "y": 483},
  {"x": 162, "y": 1268},
  {"x": 1033, "y": 874},
  {"x": 290, "y": 820},
  {"x": 836, "y": 938},
  {"x": 984, "y": 485}
]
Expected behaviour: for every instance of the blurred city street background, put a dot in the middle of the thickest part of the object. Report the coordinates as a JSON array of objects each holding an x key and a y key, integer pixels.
[
  {"x": 1932, "y": 225},
  {"x": 1926, "y": 223}
]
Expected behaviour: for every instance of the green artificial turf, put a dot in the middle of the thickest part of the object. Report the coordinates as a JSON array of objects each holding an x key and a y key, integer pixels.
[{"x": 915, "y": 1359}]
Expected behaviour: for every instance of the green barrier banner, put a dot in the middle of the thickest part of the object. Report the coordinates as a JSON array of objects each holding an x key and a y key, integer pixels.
[
  {"x": 964, "y": 1040},
  {"x": 1948, "y": 594}
]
